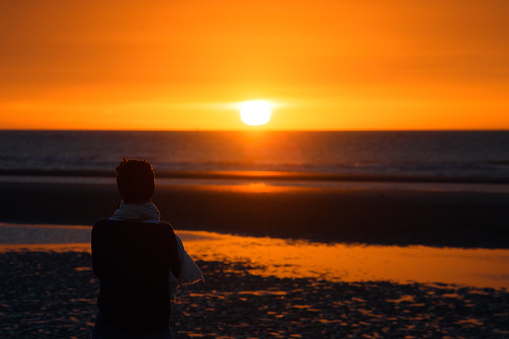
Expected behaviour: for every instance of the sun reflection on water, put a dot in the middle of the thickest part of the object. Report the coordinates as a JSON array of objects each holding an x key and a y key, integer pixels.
[
  {"x": 300, "y": 259},
  {"x": 340, "y": 262}
]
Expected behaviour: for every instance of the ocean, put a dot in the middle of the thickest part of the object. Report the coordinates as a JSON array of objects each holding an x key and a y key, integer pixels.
[{"x": 441, "y": 156}]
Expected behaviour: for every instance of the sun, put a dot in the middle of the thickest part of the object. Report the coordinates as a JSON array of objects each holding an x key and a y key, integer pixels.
[{"x": 255, "y": 112}]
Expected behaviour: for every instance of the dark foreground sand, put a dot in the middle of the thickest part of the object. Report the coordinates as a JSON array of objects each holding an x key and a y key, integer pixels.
[
  {"x": 49, "y": 294},
  {"x": 370, "y": 215}
]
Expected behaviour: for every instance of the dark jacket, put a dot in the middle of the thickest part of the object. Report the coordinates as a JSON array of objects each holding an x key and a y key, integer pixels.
[{"x": 132, "y": 261}]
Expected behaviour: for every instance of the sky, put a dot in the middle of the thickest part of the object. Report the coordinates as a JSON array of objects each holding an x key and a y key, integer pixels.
[{"x": 187, "y": 65}]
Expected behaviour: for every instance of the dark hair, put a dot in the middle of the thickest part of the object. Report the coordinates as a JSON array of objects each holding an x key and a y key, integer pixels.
[{"x": 135, "y": 180}]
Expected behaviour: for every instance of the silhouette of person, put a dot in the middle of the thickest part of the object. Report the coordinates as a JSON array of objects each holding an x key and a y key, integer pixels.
[{"x": 139, "y": 261}]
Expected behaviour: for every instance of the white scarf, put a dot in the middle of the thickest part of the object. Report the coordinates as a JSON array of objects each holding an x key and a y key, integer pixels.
[
  {"x": 144, "y": 212},
  {"x": 148, "y": 213}
]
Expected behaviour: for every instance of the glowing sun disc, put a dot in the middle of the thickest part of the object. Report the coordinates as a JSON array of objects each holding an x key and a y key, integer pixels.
[{"x": 256, "y": 112}]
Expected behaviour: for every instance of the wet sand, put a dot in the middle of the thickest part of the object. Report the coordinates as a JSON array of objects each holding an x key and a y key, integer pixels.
[{"x": 369, "y": 213}]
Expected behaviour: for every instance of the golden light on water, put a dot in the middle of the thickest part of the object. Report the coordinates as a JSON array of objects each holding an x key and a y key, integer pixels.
[
  {"x": 300, "y": 259},
  {"x": 353, "y": 262},
  {"x": 255, "y": 112}
]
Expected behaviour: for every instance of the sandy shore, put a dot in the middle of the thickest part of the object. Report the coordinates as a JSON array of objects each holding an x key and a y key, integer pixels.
[
  {"x": 372, "y": 214},
  {"x": 49, "y": 294}
]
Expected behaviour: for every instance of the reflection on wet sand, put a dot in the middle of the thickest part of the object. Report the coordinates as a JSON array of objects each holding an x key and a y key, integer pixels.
[
  {"x": 350, "y": 263},
  {"x": 287, "y": 258}
]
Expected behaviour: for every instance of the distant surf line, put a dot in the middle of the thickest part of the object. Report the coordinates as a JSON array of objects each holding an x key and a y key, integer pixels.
[{"x": 270, "y": 176}]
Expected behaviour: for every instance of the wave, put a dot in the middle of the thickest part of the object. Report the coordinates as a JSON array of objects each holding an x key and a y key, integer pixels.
[{"x": 273, "y": 176}]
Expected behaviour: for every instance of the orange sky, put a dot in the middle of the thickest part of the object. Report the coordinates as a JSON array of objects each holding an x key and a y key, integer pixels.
[{"x": 332, "y": 65}]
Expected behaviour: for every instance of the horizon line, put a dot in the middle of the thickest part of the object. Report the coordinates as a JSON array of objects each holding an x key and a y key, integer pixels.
[{"x": 256, "y": 130}]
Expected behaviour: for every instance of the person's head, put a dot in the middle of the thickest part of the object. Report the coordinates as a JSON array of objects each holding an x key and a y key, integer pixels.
[{"x": 135, "y": 180}]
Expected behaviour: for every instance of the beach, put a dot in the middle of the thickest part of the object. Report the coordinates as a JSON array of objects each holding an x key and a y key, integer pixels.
[{"x": 268, "y": 281}]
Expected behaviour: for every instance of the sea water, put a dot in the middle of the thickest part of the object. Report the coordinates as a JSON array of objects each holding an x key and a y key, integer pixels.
[{"x": 469, "y": 155}]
